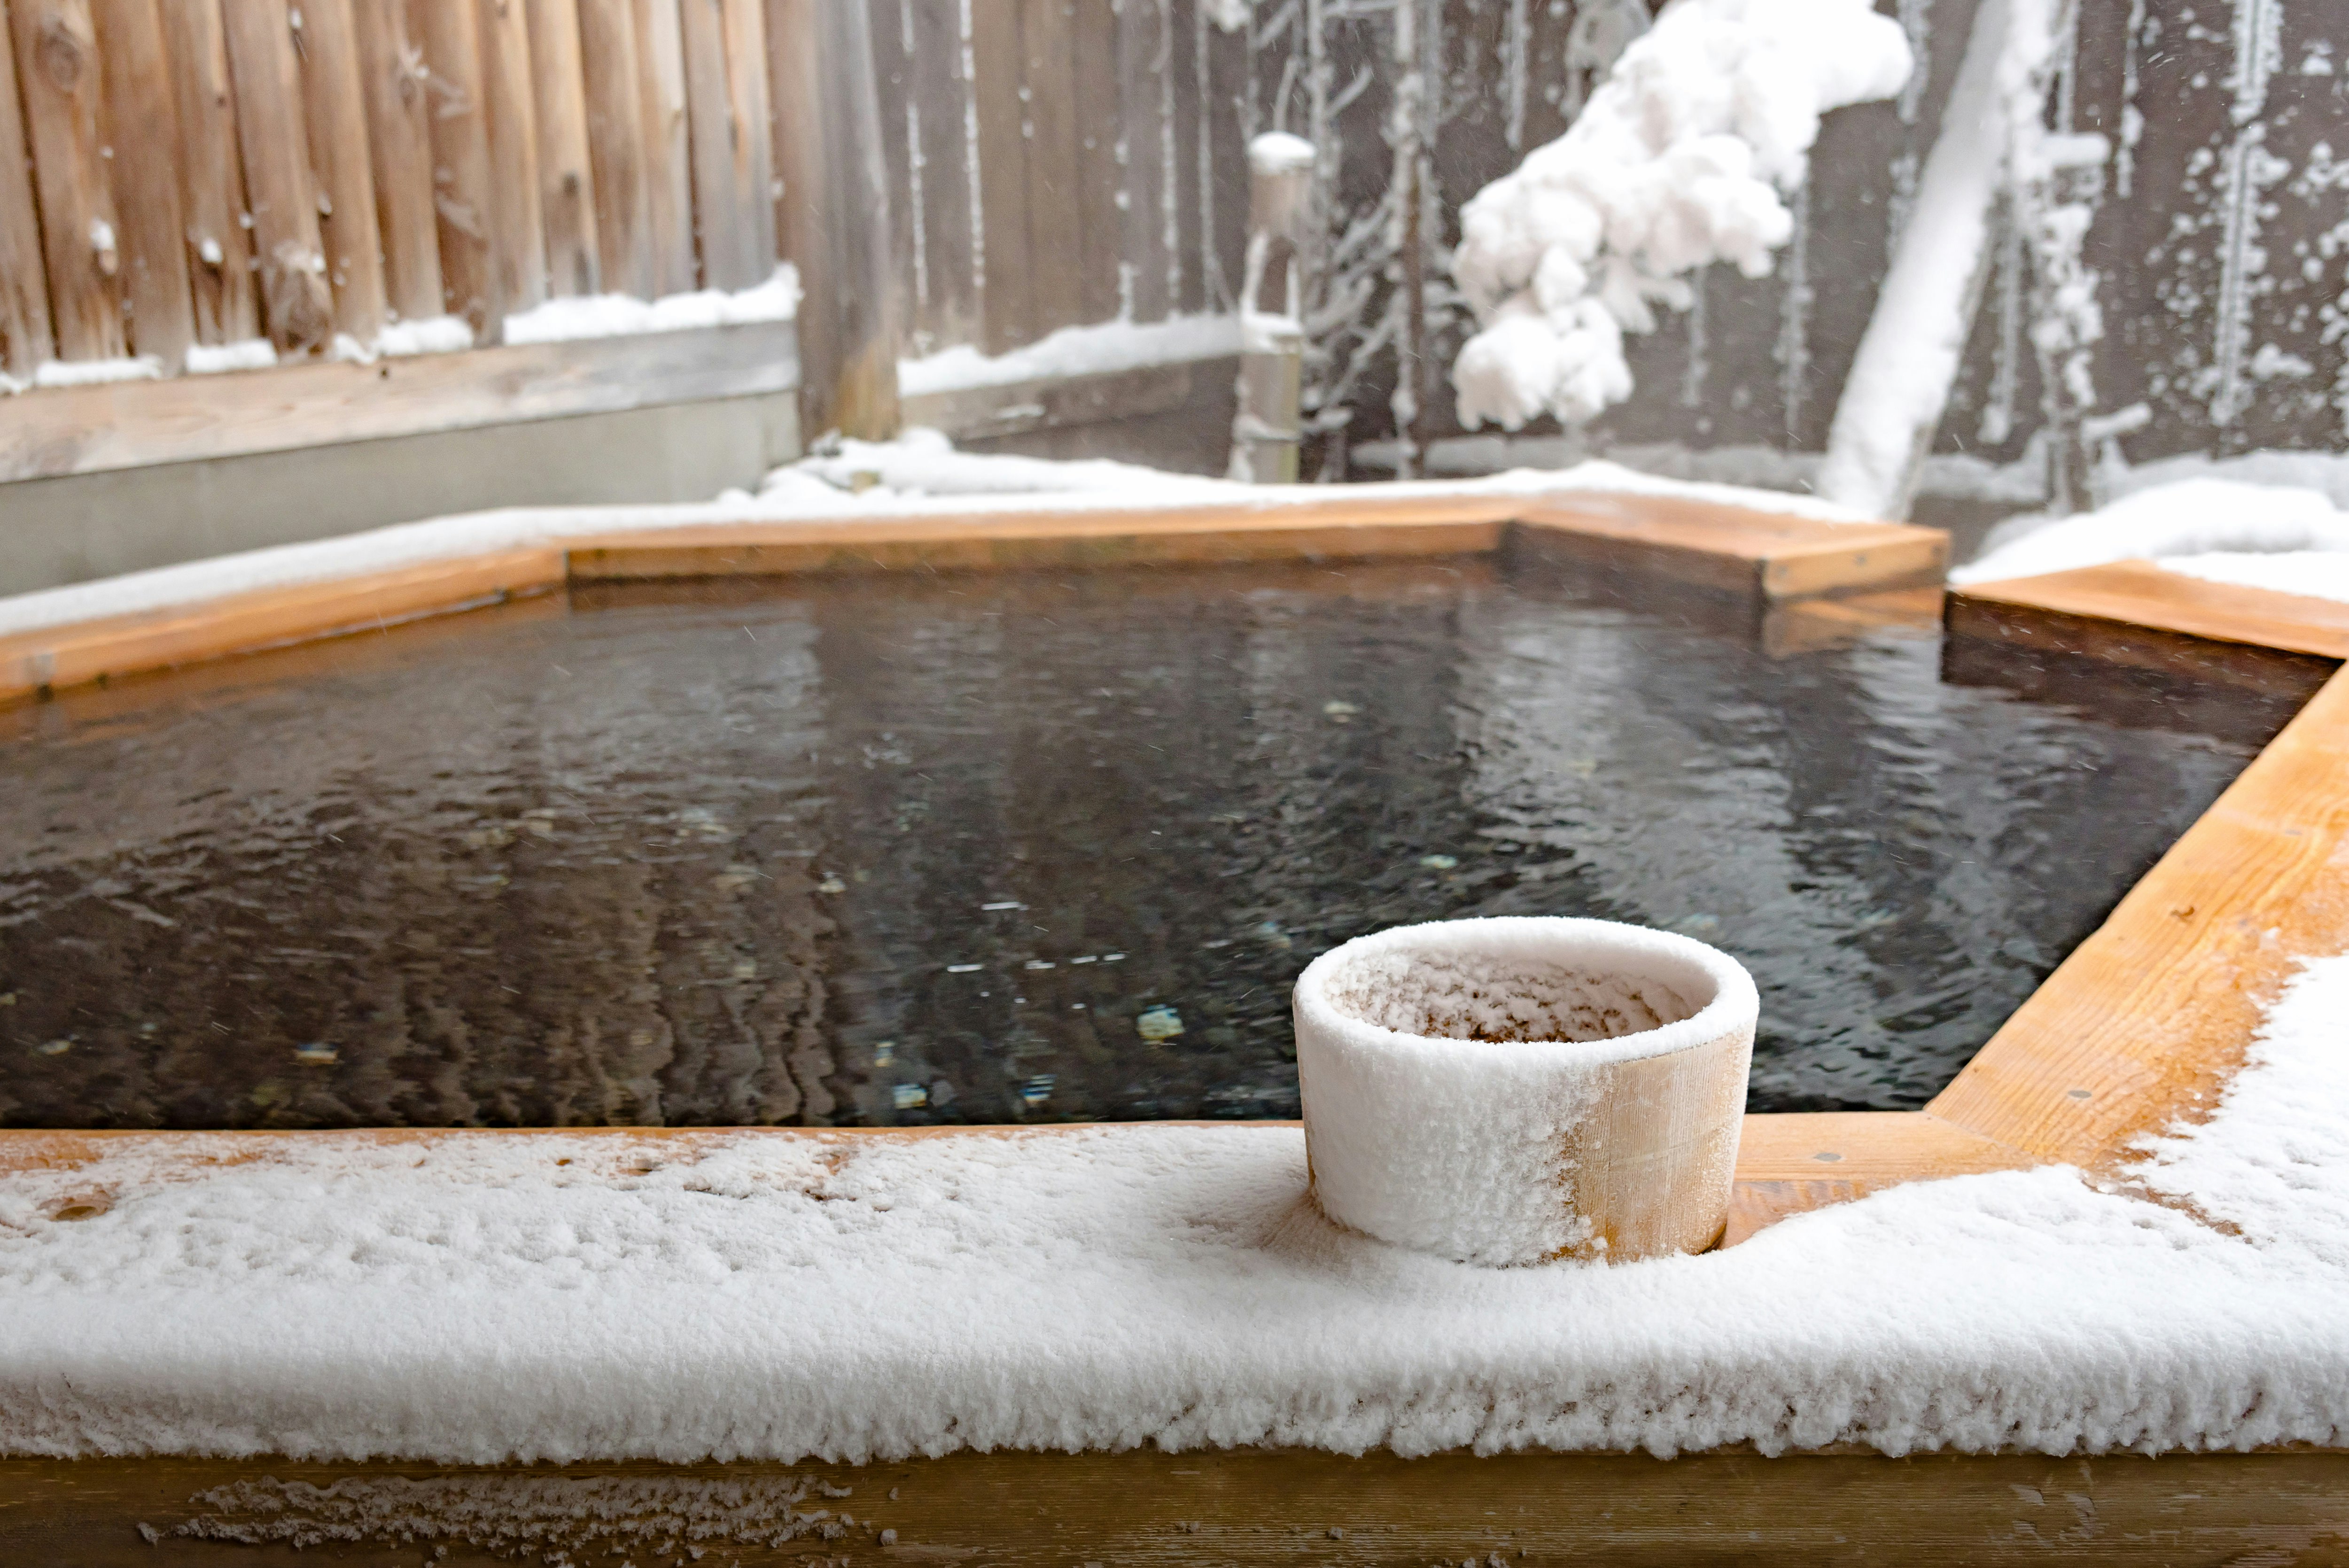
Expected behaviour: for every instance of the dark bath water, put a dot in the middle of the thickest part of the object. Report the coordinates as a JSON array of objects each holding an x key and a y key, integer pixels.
[{"x": 981, "y": 848}]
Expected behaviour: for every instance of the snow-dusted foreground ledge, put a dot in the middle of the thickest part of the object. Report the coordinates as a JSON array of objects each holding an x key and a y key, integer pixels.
[{"x": 486, "y": 1297}]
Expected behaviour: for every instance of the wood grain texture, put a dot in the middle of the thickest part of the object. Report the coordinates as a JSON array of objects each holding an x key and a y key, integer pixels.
[
  {"x": 668, "y": 167},
  {"x": 127, "y": 645},
  {"x": 26, "y": 340},
  {"x": 395, "y": 88},
  {"x": 449, "y": 32},
  {"x": 733, "y": 168},
  {"x": 947, "y": 310},
  {"x": 2144, "y": 1023},
  {"x": 139, "y": 123},
  {"x": 1790, "y": 1164},
  {"x": 120, "y": 425},
  {"x": 1142, "y": 98},
  {"x": 566, "y": 180},
  {"x": 612, "y": 82},
  {"x": 1268, "y": 1506},
  {"x": 1055, "y": 220},
  {"x": 273, "y": 134},
  {"x": 2140, "y": 594},
  {"x": 517, "y": 219},
  {"x": 1015, "y": 407},
  {"x": 334, "y": 105},
  {"x": 212, "y": 174},
  {"x": 1100, "y": 225},
  {"x": 1773, "y": 555},
  {"x": 1008, "y": 298},
  {"x": 59, "y": 80}
]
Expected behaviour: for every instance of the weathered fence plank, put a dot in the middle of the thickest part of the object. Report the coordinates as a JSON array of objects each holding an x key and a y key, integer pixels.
[
  {"x": 733, "y": 161},
  {"x": 273, "y": 132},
  {"x": 1099, "y": 230},
  {"x": 26, "y": 342},
  {"x": 212, "y": 175},
  {"x": 565, "y": 173},
  {"x": 668, "y": 175},
  {"x": 333, "y": 99},
  {"x": 947, "y": 310},
  {"x": 517, "y": 219},
  {"x": 138, "y": 104},
  {"x": 1055, "y": 223},
  {"x": 394, "y": 85},
  {"x": 1144, "y": 123},
  {"x": 451, "y": 34},
  {"x": 612, "y": 79},
  {"x": 57, "y": 50},
  {"x": 893, "y": 75},
  {"x": 1007, "y": 265}
]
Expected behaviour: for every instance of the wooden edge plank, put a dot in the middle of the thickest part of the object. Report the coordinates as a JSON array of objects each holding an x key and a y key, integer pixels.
[
  {"x": 2142, "y": 1024},
  {"x": 1778, "y": 555},
  {"x": 32, "y": 662},
  {"x": 2140, "y": 594}
]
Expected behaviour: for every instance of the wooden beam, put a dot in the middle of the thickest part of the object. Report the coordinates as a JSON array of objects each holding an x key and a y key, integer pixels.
[
  {"x": 1776, "y": 555},
  {"x": 516, "y": 219},
  {"x": 669, "y": 169},
  {"x": 394, "y": 81},
  {"x": 463, "y": 189},
  {"x": 612, "y": 81},
  {"x": 59, "y": 79},
  {"x": 139, "y": 122},
  {"x": 274, "y": 132},
  {"x": 733, "y": 158},
  {"x": 2140, "y": 594},
  {"x": 565, "y": 169},
  {"x": 335, "y": 106},
  {"x": 27, "y": 341},
  {"x": 124, "y": 425},
  {"x": 1790, "y": 1164},
  {"x": 212, "y": 175},
  {"x": 1016, "y": 407}
]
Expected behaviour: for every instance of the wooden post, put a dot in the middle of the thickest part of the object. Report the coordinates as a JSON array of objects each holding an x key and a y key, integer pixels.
[
  {"x": 1269, "y": 427},
  {"x": 836, "y": 224},
  {"x": 394, "y": 78},
  {"x": 57, "y": 54},
  {"x": 450, "y": 32},
  {"x": 516, "y": 220},
  {"x": 334, "y": 107},
  {"x": 948, "y": 311},
  {"x": 274, "y": 132},
  {"x": 138, "y": 122},
  {"x": 26, "y": 342},
  {"x": 733, "y": 167},
  {"x": 668, "y": 175},
  {"x": 612, "y": 79},
  {"x": 565, "y": 177},
  {"x": 212, "y": 174}
]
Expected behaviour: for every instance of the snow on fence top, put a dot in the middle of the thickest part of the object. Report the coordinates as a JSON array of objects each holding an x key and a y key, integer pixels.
[
  {"x": 1677, "y": 162},
  {"x": 484, "y": 1298}
]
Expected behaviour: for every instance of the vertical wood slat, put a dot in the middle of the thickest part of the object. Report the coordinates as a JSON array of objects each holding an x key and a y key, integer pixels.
[
  {"x": 334, "y": 105},
  {"x": 27, "y": 341},
  {"x": 1141, "y": 97},
  {"x": 1190, "y": 220},
  {"x": 1055, "y": 253},
  {"x": 1099, "y": 230},
  {"x": 137, "y": 122},
  {"x": 612, "y": 79},
  {"x": 57, "y": 72},
  {"x": 893, "y": 74},
  {"x": 669, "y": 177},
  {"x": 400, "y": 139},
  {"x": 272, "y": 132},
  {"x": 449, "y": 32},
  {"x": 733, "y": 158},
  {"x": 950, "y": 312},
  {"x": 212, "y": 174},
  {"x": 1008, "y": 299},
  {"x": 565, "y": 171},
  {"x": 516, "y": 219}
]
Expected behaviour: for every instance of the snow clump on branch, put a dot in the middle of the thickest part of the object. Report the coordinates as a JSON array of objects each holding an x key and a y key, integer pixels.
[{"x": 1679, "y": 159}]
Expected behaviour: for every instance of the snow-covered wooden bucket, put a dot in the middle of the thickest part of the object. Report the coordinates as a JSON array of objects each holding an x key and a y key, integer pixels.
[{"x": 1512, "y": 1090}]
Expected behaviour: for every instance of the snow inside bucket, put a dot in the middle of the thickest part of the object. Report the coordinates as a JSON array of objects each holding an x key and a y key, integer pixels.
[{"x": 1521, "y": 1088}]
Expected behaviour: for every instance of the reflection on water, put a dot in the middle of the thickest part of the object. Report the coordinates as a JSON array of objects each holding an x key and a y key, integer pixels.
[{"x": 989, "y": 848}]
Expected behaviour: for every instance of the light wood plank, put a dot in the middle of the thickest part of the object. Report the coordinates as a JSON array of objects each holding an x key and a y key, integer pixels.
[
  {"x": 617, "y": 153},
  {"x": 517, "y": 219},
  {"x": 1774, "y": 554},
  {"x": 395, "y": 89},
  {"x": 733, "y": 168},
  {"x": 2148, "y": 1018},
  {"x": 58, "y": 77},
  {"x": 334, "y": 102},
  {"x": 668, "y": 171},
  {"x": 212, "y": 175},
  {"x": 1009, "y": 301},
  {"x": 2140, "y": 594},
  {"x": 565, "y": 169},
  {"x": 1790, "y": 1164},
  {"x": 1055, "y": 220},
  {"x": 948, "y": 311},
  {"x": 1100, "y": 226},
  {"x": 93, "y": 430},
  {"x": 139, "y": 122},
  {"x": 27, "y": 341},
  {"x": 273, "y": 134},
  {"x": 463, "y": 187}
]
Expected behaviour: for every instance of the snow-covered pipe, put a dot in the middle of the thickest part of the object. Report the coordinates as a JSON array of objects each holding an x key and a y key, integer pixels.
[{"x": 1519, "y": 1089}]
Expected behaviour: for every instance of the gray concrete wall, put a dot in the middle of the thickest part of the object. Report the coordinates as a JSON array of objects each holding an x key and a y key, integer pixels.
[{"x": 60, "y": 530}]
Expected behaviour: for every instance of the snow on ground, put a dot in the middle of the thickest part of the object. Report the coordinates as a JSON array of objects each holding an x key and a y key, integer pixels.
[
  {"x": 1074, "y": 351},
  {"x": 2225, "y": 530},
  {"x": 1678, "y": 161},
  {"x": 918, "y": 474},
  {"x": 621, "y": 315},
  {"x": 484, "y": 1298}
]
